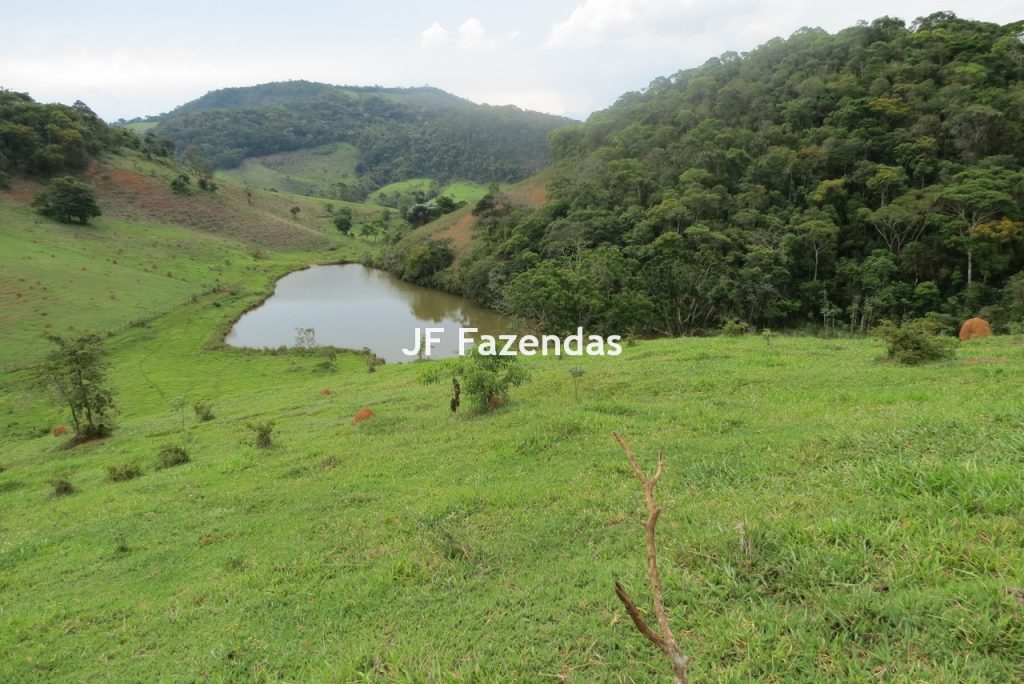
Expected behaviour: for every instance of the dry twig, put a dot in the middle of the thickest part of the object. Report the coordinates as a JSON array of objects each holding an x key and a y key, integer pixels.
[{"x": 665, "y": 640}]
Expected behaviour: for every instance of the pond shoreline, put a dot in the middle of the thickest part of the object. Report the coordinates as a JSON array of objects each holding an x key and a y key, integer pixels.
[{"x": 354, "y": 307}]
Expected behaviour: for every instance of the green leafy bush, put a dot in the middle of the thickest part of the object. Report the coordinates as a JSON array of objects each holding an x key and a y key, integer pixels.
[
  {"x": 181, "y": 185},
  {"x": 263, "y": 434},
  {"x": 916, "y": 341},
  {"x": 734, "y": 328},
  {"x": 172, "y": 455},
  {"x": 484, "y": 379},
  {"x": 204, "y": 412},
  {"x": 123, "y": 472}
]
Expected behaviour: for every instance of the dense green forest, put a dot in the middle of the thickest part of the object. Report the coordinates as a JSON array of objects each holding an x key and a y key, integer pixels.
[
  {"x": 400, "y": 133},
  {"x": 820, "y": 180},
  {"x": 47, "y": 139}
]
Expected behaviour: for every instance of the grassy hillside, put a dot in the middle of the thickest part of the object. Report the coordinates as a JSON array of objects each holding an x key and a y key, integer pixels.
[
  {"x": 315, "y": 172},
  {"x": 826, "y": 516},
  {"x": 149, "y": 253}
]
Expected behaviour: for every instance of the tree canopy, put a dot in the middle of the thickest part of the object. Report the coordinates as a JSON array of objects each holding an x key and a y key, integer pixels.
[
  {"x": 872, "y": 173},
  {"x": 48, "y": 139}
]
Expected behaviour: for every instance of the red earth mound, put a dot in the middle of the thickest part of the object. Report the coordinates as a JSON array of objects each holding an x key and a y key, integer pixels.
[
  {"x": 363, "y": 414},
  {"x": 975, "y": 327}
]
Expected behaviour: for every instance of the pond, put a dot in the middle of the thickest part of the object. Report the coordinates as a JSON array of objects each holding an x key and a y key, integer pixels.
[{"x": 352, "y": 306}]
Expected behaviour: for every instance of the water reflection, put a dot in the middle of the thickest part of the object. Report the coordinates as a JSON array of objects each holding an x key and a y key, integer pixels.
[{"x": 352, "y": 306}]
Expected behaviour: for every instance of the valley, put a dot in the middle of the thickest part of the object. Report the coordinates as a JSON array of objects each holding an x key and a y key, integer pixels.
[{"x": 784, "y": 244}]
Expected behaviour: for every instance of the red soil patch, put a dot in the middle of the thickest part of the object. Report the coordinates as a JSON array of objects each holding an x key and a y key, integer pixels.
[
  {"x": 973, "y": 328},
  {"x": 326, "y": 391},
  {"x": 460, "y": 233},
  {"x": 128, "y": 194},
  {"x": 363, "y": 414},
  {"x": 532, "y": 196},
  {"x": 59, "y": 430}
]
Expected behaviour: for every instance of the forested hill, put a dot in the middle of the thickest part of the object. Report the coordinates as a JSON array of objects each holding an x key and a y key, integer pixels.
[
  {"x": 400, "y": 132},
  {"x": 48, "y": 139},
  {"x": 829, "y": 179}
]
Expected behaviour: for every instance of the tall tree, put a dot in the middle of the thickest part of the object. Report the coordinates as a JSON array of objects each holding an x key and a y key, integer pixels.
[{"x": 976, "y": 197}]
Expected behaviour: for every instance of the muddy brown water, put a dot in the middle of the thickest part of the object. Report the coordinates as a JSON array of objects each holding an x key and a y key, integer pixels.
[{"x": 352, "y": 307}]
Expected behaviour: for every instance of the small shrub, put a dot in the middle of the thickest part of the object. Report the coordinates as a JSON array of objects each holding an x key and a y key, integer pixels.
[
  {"x": 915, "y": 342},
  {"x": 263, "y": 434},
  {"x": 576, "y": 373},
  {"x": 372, "y": 360},
  {"x": 329, "y": 364},
  {"x": 204, "y": 412},
  {"x": 121, "y": 544},
  {"x": 123, "y": 472},
  {"x": 172, "y": 455},
  {"x": 734, "y": 328},
  {"x": 61, "y": 487},
  {"x": 181, "y": 185}
]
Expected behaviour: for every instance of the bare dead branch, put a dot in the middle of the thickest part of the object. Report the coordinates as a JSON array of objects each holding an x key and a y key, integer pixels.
[{"x": 665, "y": 641}]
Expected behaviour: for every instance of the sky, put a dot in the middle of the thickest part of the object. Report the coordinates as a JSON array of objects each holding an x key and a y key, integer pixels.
[{"x": 568, "y": 57}]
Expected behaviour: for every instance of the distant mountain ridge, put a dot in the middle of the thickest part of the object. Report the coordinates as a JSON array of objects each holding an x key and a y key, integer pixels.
[
  {"x": 400, "y": 133},
  {"x": 289, "y": 92}
]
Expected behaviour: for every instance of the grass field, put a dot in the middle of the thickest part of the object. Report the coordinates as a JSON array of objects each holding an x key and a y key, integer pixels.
[
  {"x": 828, "y": 516},
  {"x": 460, "y": 191},
  {"x": 880, "y": 518},
  {"x": 309, "y": 172}
]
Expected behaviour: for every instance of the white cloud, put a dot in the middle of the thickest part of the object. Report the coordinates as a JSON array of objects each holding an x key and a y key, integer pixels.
[
  {"x": 473, "y": 35},
  {"x": 433, "y": 35},
  {"x": 641, "y": 22}
]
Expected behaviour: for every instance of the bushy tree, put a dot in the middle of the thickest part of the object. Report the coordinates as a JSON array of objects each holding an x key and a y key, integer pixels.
[
  {"x": 67, "y": 200},
  {"x": 916, "y": 341},
  {"x": 182, "y": 184},
  {"x": 343, "y": 220},
  {"x": 485, "y": 379},
  {"x": 76, "y": 374}
]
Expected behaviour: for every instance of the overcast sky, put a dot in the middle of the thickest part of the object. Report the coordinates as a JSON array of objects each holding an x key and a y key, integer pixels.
[{"x": 568, "y": 57}]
